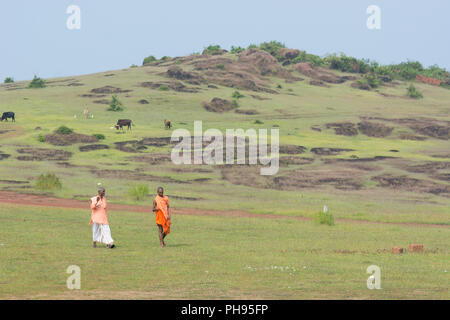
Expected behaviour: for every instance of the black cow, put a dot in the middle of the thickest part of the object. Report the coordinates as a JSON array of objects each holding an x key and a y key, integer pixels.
[
  {"x": 123, "y": 123},
  {"x": 7, "y": 115}
]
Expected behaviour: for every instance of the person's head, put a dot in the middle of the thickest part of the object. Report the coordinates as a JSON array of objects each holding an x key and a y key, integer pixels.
[
  {"x": 160, "y": 191},
  {"x": 101, "y": 192}
]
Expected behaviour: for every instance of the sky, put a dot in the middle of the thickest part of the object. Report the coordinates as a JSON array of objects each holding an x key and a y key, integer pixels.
[{"x": 113, "y": 34}]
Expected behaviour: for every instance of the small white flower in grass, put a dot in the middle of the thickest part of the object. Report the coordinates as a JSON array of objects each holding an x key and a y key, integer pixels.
[
  {"x": 304, "y": 267},
  {"x": 325, "y": 209}
]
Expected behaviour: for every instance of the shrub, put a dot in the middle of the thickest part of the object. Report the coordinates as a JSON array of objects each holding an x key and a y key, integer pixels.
[
  {"x": 258, "y": 122},
  {"x": 163, "y": 87},
  {"x": 48, "y": 181},
  {"x": 272, "y": 47},
  {"x": 63, "y": 130},
  {"x": 99, "y": 136},
  {"x": 323, "y": 218},
  {"x": 372, "y": 80},
  {"x": 252, "y": 46},
  {"x": 235, "y": 104},
  {"x": 138, "y": 192},
  {"x": 311, "y": 58},
  {"x": 212, "y": 49},
  {"x": 165, "y": 58},
  {"x": 220, "y": 66},
  {"x": 413, "y": 93},
  {"x": 115, "y": 104},
  {"x": 236, "y": 49},
  {"x": 37, "y": 83},
  {"x": 279, "y": 86},
  {"x": 148, "y": 60},
  {"x": 41, "y": 138},
  {"x": 347, "y": 64},
  {"x": 8, "y": 80},
  {"x": 237, "y": 95},
  {"x": 133, "y": 66}
]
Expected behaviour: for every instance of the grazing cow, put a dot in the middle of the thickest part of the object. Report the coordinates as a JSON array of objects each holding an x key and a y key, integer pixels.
[
  {"x": 167, "y": 124},
  {"x": 7, "y": 115},
  {"x": 123, "y": 123}
]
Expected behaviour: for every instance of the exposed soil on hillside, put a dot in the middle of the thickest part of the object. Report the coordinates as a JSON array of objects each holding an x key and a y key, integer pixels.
[
  {"x": 329, "y": 151},
  {"x": 92, "y": 147},
  {"x": 174, "y": 85},
  {"x": 41, "y": 154},
  {"x": 152, "y": 158},
  {"x": 218, "y": 105},
  {"x": 109, "y": 90},
  {"x": 69, "y": 139},
  {"x": 343, "y": 128},
  {"x": 292, "y": 160},
  {"x": 101, "y": 101},
  {"x": 4, "y": 156},
  {"x": 319, "y": 83},
  {"x": 373, "y": 129},
  {"x": 411, "y": 184},
  {"x": 247, "y": 111},
  {"x": 292, "y": 149},
  {"x": 317, "y": 73}
]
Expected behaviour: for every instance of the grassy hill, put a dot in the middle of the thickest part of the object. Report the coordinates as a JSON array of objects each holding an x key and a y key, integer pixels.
[{"x": 371, "y": 154}]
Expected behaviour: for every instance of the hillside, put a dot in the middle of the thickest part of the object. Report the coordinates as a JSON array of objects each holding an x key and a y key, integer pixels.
[{"x": 367, "y": 153}]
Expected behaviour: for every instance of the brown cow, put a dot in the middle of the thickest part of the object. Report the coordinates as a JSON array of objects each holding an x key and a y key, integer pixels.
[{"x": 167, "y": 124}]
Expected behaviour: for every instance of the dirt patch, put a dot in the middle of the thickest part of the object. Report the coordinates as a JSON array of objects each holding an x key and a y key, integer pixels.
[
  {"x": 4, "y": 156},
  {"x": 92, "y": 147},
  {"x": 247, "y": 111},
  {"x": 316, "y": 128},
  {"x": 143, "y": 101},
  {"x": 356, "y": 159},
  {"x": 317, "y": 73},
  {"x": 292, "y": 160},
  {"x": 405, "y": 183},
  {"x": 439, "y": 129},
  {"x": 343, "y": 128},
  {"x": 75, "y": 84},
  {"x": 178, "y": 73},
  {"x": 69, "y": 139},
  {"x": 218, "y": 105},
  {"x": 174, "y": 85},
  {"x": 254, "y": 96},
  {"x": 109, "y": 90},
  {"x": 319, "y": 83},
  {"x": 101, "y": 101},
  {"x": 292, "y": 149},
  {"x": 88, "y": 95},
  {"x": 41, "y": 154},
  {"x": 407, "y": 136},
  {"x": 373, "y": 129},
  {"x": 14, "y": 182},
  {"x": 329, "y": 151},
  {"x": 152, "y": 158}
]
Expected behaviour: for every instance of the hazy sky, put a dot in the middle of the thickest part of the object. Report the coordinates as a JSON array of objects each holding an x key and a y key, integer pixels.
[{"x": 115, "y": 34}]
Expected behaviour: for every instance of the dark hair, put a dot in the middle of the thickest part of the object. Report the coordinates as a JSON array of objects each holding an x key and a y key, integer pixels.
[{"x": 160, "y": 188}]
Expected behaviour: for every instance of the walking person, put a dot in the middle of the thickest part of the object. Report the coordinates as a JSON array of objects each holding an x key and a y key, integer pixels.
[
  {"x": 99, "y": 220},
  {"x": 163, "y": 219}
]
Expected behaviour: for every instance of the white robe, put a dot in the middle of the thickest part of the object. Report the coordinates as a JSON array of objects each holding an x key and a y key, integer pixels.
[{"x": 101, "y": 233}]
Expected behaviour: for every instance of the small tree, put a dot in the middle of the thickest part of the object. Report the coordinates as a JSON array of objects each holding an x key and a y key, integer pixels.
[
  {"x": 237, "y": 95},
  {"x": 148, "y": 60},
  {"x": 63, "y": 130},
  {"x": 115, "y": 104},
  {"x": 37, "y": 83},
  {"x": 48, "y": 182},
  {"x": 413, "y": 93},
  {"x": 8, "y": 80}
]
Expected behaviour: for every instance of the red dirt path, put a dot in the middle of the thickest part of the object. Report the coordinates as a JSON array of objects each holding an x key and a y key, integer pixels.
[{"x": 48, "y": 201}]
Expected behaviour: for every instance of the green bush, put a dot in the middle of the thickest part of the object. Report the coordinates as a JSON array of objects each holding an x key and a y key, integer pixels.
[
  {"x": 41, "y": 138},
  {"x": 372, "y": 80},
  {"x": 63, "y": 130},
  {"x": 347, "y": 64},
  {"x": 258, "y": 122},
  {"x": 163, "y": 87},
  {"x": 310, "y": 58},
  {"x": 8, "y": 80},
  {"x": 133, "y": 66},
  {"x": 235, "y": 104},
  {"x": 413, "y": 93},
  {"x": 323, "y": 218},
  {"x": 37, "y": 83},
  {"x": 279, "y": 86},
  {"x": 272, "y": 47},
  {"x": 165, "y": 58},
  {"x": 115, "y": 104},
  {"x": 99, "y": 136},
  {"x": 148, "y": 60},
  {"x": 220, "y": 66},
  {"x": 237, "y": 95},
  {"x": 236, "y": 49},
  {"x": 48, "y": 181},
  {"x": 138, "y": 192},
  {"x": 212, "y": 49}
]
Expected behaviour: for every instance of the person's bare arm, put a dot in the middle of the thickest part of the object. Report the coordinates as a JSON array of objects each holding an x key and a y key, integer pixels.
[
  {"x": 155, "y": 208},
  {"x": 168, "y": 212}
]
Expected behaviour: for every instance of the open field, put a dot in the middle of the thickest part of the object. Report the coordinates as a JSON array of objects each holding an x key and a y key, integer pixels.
[
  {"x": 214, "y": 258},
  {"x": 370, "y": 156}
]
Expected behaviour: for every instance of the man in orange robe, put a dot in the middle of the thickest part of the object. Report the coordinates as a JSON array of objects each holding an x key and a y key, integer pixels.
[
  {"x": 99, "y": 220},
  {"x": 163, "y": 219}
]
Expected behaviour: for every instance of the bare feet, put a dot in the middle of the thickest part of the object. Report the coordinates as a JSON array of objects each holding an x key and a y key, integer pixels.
[{"x": 95, "y": 245}]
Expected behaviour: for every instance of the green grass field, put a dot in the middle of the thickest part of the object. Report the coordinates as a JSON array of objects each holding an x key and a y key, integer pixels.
[
  {"x": 215, "y": 258},
  {"x": 219, "y": 257}
]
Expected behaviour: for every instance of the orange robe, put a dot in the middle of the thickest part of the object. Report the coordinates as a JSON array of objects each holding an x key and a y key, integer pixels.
[
  {"x": 99, "y": 215},
  {"x": 162, "y": 215}
]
